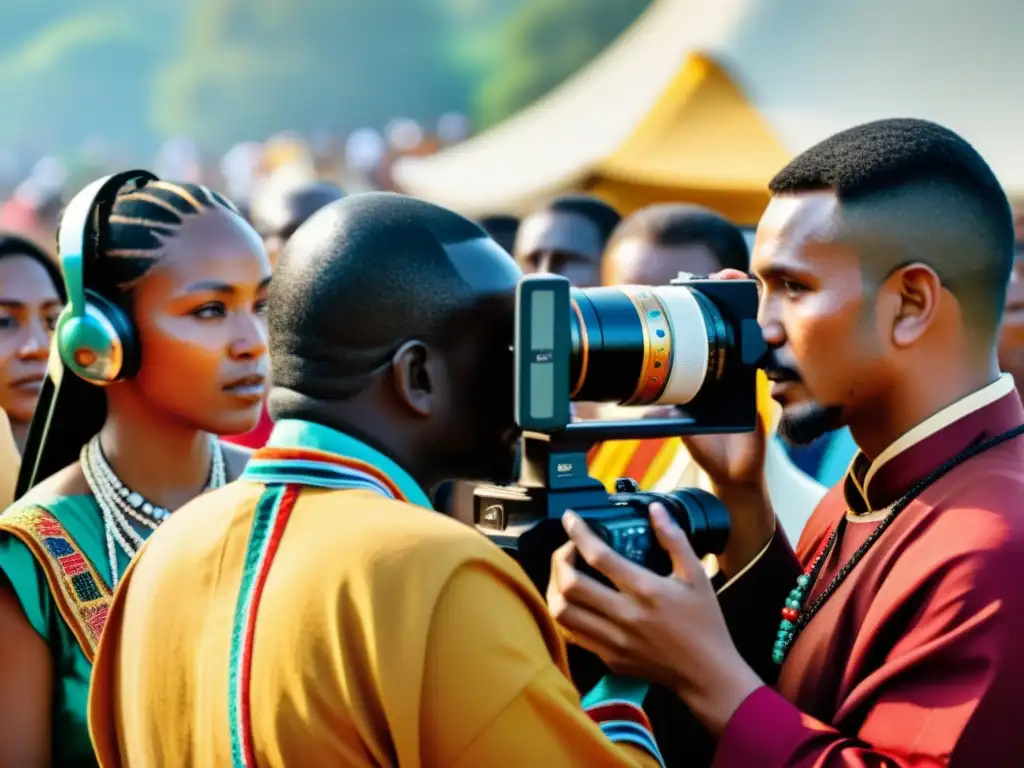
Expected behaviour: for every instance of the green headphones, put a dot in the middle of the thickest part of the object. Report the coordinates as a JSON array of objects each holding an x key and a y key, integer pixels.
[{"x": 95, "y": 338}]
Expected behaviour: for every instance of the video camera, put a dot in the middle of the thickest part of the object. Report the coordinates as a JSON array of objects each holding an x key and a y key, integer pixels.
[{"x": 694, "y": 344}]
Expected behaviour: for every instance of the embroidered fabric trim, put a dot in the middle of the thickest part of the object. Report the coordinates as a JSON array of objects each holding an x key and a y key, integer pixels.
[
  {"x": 80, "y": 593},
  {"x": 269, "y": 521},
  {"x": 625, "y": 722},
  {"x": 319, "y": 470}
]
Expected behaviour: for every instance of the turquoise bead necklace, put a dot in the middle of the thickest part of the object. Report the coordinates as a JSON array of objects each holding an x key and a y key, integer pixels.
[
  {"x": 793, "y": 609},
  {"x": 794, "y": 616}
]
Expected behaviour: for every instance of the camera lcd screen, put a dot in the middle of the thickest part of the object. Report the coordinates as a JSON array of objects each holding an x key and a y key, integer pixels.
[
  {"x": 542, "y": 388},
  {"x": 542, "y": 320}
]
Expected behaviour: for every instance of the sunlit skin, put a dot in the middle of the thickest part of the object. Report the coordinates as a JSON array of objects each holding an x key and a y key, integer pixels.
[
  {"x": 200, "y": 321},
  {"x": 858, "y": 342},
  {"x": 200, "y": 314},
  {"x": 29, "y": 306},
  {"x": 561, "y": 243},
  {"x": 886, "y": 345},
  {"x": 812, "y": 306},
  {"x": 636, "y": 261}
]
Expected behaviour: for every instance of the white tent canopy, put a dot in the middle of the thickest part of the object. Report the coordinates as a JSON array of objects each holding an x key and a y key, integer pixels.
[{"x": 809, "y": 68}]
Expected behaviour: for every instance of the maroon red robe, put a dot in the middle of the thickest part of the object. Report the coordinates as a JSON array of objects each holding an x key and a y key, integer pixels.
[{"x": 918, "y": 658}]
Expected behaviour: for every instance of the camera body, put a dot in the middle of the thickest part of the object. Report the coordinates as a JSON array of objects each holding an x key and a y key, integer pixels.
[{"x": 694, "y": 344}]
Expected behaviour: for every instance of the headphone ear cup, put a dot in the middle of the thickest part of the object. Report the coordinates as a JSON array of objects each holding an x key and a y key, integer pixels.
[
  {"x": 100, "y": 347},
  {"x": 124, "y": 331}
]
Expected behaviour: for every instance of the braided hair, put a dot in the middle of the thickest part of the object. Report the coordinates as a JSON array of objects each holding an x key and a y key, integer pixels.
[{"x": 131, "y": 233}]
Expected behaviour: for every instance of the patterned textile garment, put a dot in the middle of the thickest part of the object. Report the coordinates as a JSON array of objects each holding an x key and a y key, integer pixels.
[{"x": 318, "y": 612}]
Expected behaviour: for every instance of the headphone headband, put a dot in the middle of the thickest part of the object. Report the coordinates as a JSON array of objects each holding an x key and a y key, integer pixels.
[
  {"x": 75, "y": 227},
  {"x": 95, "y": 339}
]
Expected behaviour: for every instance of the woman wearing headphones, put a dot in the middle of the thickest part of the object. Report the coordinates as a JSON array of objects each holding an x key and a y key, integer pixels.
[{"x": 162, "y": 345}]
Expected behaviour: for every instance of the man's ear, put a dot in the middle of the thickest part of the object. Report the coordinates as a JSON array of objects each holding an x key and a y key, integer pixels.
[
  {"x": 414, "y": 379},
  {"x": 917, "y": 291}
]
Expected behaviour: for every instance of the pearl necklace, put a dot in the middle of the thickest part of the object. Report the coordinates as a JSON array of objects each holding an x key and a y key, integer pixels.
[{"x": 118, "y": 503}]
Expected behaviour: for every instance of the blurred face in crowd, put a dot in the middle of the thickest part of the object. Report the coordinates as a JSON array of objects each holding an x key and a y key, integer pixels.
[
  {"x": 638, "y": 261},
  {"x": 199, "y": 311},
  {"x": 561, "y": 243},
  {"x": 278, "y": 213},
  {"x": 29, "y": 307},
  {"x": 817, "y": 313},
  {"x": 1011, "y": 333}
]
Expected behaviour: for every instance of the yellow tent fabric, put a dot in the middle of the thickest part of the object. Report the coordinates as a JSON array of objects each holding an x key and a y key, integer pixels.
[
  {"x": 650, "y": 120},
  {"x": 701, "y": 143}
]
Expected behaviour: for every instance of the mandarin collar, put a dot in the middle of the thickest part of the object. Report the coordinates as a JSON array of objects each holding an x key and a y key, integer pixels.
[{"x": 873, "y": 485}]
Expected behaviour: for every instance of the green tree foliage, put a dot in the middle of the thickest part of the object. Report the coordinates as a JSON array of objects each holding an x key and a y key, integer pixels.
[
  {"x": 137, "y": 71},
  {"x": 544, "y": 43},
  {"x": 249, "y": 68},
  {"x": 70, "y": 71}
]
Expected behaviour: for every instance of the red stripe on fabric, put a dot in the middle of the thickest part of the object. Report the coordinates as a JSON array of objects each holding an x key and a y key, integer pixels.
[
  {"x": 284, "y": 513},
  {"x": 642, "y": 458},
  {"x": 308, "y": 454},
  {"x": 619, "y": 710}
]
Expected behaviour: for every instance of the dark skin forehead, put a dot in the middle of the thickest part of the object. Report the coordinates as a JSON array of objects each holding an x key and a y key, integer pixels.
[
  {"x": 562, "y": 232},
  {"x": 798, "y": 233},
  {"x": 212, "y": 231}
]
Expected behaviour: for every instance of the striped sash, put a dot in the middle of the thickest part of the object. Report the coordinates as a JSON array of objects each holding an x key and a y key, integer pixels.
[
  {"x": 614, "y": 704},
  {"x": 79, "y": 592},
  {"x": 284, "y": 472}
]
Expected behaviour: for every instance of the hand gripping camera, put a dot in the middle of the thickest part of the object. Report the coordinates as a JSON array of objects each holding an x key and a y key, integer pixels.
[{"x": 694, "y": 344}]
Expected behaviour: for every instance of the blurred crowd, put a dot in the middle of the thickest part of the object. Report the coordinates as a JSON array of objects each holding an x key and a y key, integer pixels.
[{"x": 34, "y": 190}]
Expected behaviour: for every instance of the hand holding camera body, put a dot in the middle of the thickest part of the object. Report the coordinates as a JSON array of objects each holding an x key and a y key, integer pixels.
[{"x": 694, "y": 344}]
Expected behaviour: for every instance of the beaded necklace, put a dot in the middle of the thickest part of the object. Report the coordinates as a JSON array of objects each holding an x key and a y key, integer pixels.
[
  {"x": 118, "y": 503},
  {"x": 794, "y": 617}
]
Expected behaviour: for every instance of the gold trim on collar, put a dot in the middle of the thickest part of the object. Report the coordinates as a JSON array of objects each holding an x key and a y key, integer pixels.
[{"x": 954, "y": 412}]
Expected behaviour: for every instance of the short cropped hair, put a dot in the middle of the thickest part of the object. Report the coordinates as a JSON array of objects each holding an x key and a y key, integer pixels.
[
  {"x": 675, "y": 225},
  {"x": 604, "y": 216},
  {"x": 360, "y": 277},
  {"x": 941, "y": 198}
]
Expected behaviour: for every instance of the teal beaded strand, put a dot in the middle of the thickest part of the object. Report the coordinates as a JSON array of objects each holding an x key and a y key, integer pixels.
[
  {"x": 795, "y": 601},
  {"x": 790, "y": 614}
]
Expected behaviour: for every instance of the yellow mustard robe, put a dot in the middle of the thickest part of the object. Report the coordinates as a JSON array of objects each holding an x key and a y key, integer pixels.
[{"x": 272, "y": 623}]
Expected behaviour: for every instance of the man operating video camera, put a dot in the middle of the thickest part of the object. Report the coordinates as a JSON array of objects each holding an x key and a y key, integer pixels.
[
  {"x": 342, "y": 621},
  {"x": 892, "y": 634}
]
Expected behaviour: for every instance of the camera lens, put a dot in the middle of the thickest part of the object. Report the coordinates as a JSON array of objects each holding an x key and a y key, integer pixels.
[
  {"x": 702, "y": 516},
  {"x": 638, "y": 345}
]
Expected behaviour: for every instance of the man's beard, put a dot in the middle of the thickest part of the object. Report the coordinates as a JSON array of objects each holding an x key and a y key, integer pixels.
[{"x": 804, "y": 423}]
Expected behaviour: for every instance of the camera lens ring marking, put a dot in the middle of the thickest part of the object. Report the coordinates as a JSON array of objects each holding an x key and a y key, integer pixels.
[
  {"x": 691, "y": 349},
  {"x": 584, "y": 342},
  {"x": 657, "y": 335}
]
